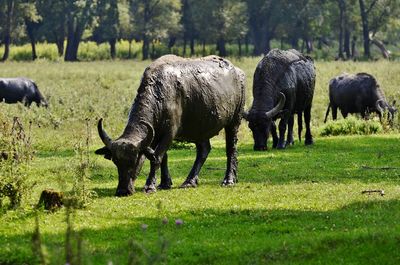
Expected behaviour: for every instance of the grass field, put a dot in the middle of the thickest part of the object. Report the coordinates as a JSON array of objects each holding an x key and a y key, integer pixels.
[{"x": 302, "y": 205}]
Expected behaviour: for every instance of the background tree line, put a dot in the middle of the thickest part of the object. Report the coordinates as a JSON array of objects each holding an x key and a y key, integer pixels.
[{"x": 250, "y": 24}]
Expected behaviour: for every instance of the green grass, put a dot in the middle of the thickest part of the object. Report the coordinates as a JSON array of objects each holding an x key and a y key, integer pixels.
[{"x": 302, "y": 205}]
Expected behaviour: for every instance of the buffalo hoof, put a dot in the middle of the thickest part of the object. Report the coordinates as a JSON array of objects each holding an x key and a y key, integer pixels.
[
  {"x": 149, "y": 189},
  {"x": 281, "y": 146},
  {"x": 290, "y": 142},
  {"x": 165, "y": 186},
  {"x": 228, "y": 182},
  {"x": 260, "y": 148},
  {"x": 309, "y": 142},
  {"x": 123, "y": 192},
  {"x": 190, "y": 183}
]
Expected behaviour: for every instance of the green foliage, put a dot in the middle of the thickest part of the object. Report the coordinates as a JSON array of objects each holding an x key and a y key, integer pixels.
[{"x": 351, "y": 126}]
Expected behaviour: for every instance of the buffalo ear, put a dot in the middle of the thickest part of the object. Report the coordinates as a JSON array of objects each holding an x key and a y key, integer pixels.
[{"x": 104, "y": 151}]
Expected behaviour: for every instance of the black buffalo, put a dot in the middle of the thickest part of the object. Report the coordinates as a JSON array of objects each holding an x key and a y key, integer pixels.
[
  {"x": 13, "y": 90},
  {"x": 283, "y": 85},
  {"x": 183, "y": 99},
  {"x": 360, "y": 94}
]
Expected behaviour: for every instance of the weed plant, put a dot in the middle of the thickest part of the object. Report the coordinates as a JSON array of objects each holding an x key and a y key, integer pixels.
[{"x": 15, "y": 154}]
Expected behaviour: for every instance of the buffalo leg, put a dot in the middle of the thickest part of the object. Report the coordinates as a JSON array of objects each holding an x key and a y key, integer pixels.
[
  {"x": 307, "y": 119},
  {"x": 290, "y": 140},
  {"x": 231, "y": 155},
  {"x": 202, "y": 151},
  {"x": 155, "y": 163},
  {"x": 282, "y": 130},
  {"x": 274, "y": 135},
  {"x": 166, "y": 181},
  {"x": 344, "y": 114},
  {"x": 299, "y": 124},
  {"x": 334, "y": 112}
]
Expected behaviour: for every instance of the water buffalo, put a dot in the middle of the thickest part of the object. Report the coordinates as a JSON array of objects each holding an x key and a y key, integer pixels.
[
  {"x": 283, "y": 85},
  {"x": 359, "y": 93},
  {"x": 183, "y": 99},
  {"x": 13, "y": 90}
]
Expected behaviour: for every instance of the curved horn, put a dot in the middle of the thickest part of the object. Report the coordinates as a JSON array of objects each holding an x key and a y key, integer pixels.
[
  {"x": 245, "y": 115},
  {"x": 378, "y": 106},
  {"x": 150, "y": 134},
  {"x": 272, "y": 113},
  {"x": 103, "y": 135}
]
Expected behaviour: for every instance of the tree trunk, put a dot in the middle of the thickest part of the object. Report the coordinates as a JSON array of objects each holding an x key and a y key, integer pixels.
[
  {"x": 381, "y": 46},
  {"x": 192, "y": 51},
  {"x": 240, "y": 47},
  {"x": 365, "y": 27},
  {"x": 171, "y": 42},
  {"x": 184, "y": 47},
  {"x": 347, "y": 43},
  {"x": 31, "y": 35},
  {"x": 145, "y": 48},
  {"x": 221, "y": 47},
  {"x": 341, "y": 30},
  {"x": 7, "y": 29},
  {"x": 130, "y": 49},
  {"x": 309, "y": 45},
  {"x": 113, "y": 50},
  {"x": 354, "y": 52},
  {"x": 246, "y": 45},
  {"x": 60, "y": 46}
]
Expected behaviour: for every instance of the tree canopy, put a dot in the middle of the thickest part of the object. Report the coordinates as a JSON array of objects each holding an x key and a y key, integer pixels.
[{"x": 302, "y": 24}]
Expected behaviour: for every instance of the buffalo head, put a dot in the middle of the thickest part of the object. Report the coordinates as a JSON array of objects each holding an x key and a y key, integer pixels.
[
  {"x": 260, "y": 123},
  {"x": 128, "y": 153},
  {"x": 381, "y": 106}
]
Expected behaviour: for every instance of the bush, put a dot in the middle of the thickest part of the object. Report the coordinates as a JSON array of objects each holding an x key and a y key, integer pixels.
[
  {"x": 15, "y": 153},
  {"x": 351, "y": 126}
]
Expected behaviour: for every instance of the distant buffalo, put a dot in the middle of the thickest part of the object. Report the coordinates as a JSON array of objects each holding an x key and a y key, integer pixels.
[
  {"x": 359, "y": 93},
  {"x": 283, "y": 85},
  {"x": 13, "y": 90}
]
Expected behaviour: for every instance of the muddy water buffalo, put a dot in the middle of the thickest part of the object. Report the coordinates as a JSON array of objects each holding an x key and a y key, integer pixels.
[
  {"x": 13, "y": 90},
  {"x": 283, "y": 85},
  {"x": 359, "y": 93},
  {"x": 183, "y": 99}
]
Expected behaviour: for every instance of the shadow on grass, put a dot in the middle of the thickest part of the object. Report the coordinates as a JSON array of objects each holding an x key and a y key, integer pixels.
[{"x": 360, "y": 233}]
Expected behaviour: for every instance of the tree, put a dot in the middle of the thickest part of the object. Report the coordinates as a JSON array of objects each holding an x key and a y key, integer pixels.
[
  {"x": 54, "y": 22},
  {"x": 189, "y": 29},
  {"x": 374, "y": 15},
  {"x": 264, "y": 18},
  {"x": 107, "y": 28},
  {"x": 13, "y": 14},
  {"x": 79, "y": 14},
  {"x": 125, "y": 24},
  {"x": 155, "y": 20}
]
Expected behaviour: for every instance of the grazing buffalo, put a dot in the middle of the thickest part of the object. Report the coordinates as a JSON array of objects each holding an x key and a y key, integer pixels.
[
  {"x": 184, "y": 99},
  {"x": 359, "y": 93},
  {"x": 283, "y": 85},
  {"x": 13, "y": 90}
]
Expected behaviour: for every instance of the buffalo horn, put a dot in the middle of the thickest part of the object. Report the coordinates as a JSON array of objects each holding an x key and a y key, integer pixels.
[
  {"x": 245, "y": 115},
  {"x": 378, "y": 106},
  {"x": 150, "y": 134},
  {"x": 272, "y": 113},
  {"x": 103, "y": 135}
]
